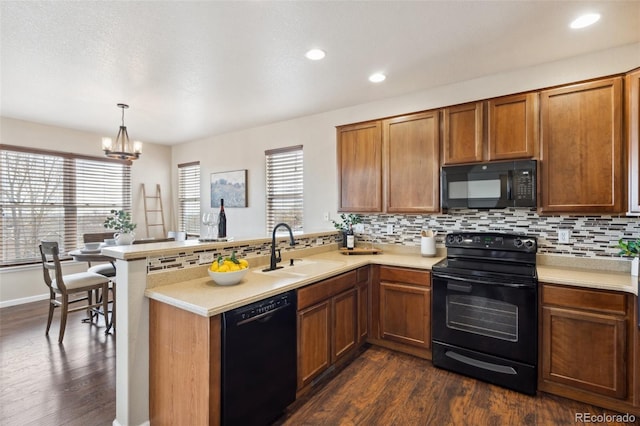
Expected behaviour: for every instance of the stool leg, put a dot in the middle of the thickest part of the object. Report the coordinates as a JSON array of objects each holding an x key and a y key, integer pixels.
[
  {"x": 105, "y": 307},
  {"x": 52, "y": 307},
  {"x": 63, "y": 316},
  {"x": 112, "y": 323}
]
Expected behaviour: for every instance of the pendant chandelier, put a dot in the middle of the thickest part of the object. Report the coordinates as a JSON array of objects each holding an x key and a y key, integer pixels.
[{"x": 123, "y": 149}]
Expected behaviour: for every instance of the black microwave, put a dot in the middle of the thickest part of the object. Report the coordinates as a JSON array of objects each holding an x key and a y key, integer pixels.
[{"x": 489, "y": 185}]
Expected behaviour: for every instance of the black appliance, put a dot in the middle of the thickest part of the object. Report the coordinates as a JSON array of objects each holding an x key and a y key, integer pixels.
[
  {"x": 485, "y": 309},
  {"x": 490, "y": 185},
  {"x": 259, "y": 360}
]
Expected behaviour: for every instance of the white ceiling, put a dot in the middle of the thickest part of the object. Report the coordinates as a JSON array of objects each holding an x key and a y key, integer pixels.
[{"x": 192, "y": 69}]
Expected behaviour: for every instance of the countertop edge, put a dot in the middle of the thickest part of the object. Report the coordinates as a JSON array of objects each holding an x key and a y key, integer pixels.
[{"x": 186, "y": 295}]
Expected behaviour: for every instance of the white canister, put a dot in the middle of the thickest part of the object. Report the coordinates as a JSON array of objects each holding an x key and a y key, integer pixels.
[{"x": 428, "y": 246}]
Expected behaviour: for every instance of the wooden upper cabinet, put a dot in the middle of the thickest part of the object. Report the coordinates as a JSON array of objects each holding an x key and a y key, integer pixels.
[
  {"x": 462, "y": 134},
  {"x": 633, "y": 138},
  {"x": 581, "y": 148},
  {"x": 359, "y": 155},
  {"x": 412, "y": 162},
  {"x": 513, "y": 127}
]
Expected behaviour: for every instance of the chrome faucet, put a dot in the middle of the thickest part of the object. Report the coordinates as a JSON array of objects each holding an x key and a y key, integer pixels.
[{"x": 277, "y": 258}]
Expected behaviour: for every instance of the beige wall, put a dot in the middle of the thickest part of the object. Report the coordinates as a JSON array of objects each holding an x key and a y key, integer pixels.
[
  {"x": 25, "y": 283},
  {"x": 245, "y": 149}
]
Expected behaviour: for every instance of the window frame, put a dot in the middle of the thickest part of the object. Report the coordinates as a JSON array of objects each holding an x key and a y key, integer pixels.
[
  {"x": 187, "y": 199},
  {"x": 279, "y": 195},
  {"x": 79, "y": 195}
]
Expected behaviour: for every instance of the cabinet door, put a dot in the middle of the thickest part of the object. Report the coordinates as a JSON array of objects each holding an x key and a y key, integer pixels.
[
  {"x": 633, "y": 138},
  {"x": 314, "y": 344},
  {"x": 360, "y": 167},
  {"x": 584, "y": 350},
  {"x": 462, "y": 135},
  {"x": 412, "y": 156},
  {"x": 405, "y": 312},
  {"x": 363, "y": 312},
  {"x": 345, "y": 323},
  {"x": 581, "y": 148},
  {"x": 513, "y": 127},
  {"x": 636, "y": 358},
  {"x": 184, "y": 385}
]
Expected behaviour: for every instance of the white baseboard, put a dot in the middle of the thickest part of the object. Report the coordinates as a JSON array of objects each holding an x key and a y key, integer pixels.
[
  {"x": 117, "y": 423},
  {"x": 23, "y": 300}
]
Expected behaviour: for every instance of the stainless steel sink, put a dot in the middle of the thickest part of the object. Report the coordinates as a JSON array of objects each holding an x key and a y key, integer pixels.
[{"x": 303, "y": 268}]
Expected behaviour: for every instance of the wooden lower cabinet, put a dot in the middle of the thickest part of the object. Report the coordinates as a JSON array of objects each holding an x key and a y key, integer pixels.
[
  {"x": 401, "y": 307},
  {"x": 314, "y": 341},
  {"x": 344, "y": 325},
  {"x": 585, "y": 348},
  {"x": 363, "y": 309},
  {"x": 636, "y": 358},
  {"x": 184, "y": 385},
  {"x": 331, "y": 322}
]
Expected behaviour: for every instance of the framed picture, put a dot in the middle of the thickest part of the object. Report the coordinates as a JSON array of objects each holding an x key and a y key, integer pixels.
[{"x": 230, "y": 186}]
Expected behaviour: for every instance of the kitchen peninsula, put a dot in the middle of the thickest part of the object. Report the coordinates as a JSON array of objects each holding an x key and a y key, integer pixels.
[{"x": 171, "y": 273}]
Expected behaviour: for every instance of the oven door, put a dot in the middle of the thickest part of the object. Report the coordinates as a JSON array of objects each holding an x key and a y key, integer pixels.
[{"x": 491, "y": 318}]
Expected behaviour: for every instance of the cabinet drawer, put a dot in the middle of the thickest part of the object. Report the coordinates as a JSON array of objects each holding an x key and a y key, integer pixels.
[
  {"x": 408, "y": 276},
  {"x": 318, "y": 292},
  {"x": 596, "y": 300}
]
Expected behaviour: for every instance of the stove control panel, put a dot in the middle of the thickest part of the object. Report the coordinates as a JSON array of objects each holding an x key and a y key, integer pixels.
[{"x": 493, "y": 241}]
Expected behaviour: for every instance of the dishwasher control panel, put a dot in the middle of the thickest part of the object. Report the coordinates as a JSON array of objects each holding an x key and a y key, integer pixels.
[{"x": 263, "y": 307}]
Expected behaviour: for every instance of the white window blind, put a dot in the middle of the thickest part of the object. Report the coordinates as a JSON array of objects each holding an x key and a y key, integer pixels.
[
  {"x": 55, "y": 195},
  {"x": 189, "y": 197},
  {"x": 285, "y": 187}
]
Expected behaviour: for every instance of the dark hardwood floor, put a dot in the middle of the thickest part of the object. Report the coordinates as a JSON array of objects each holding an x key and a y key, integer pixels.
[
  {"x": 43, "y": 383},
  {"x": 382, "y": 387}
]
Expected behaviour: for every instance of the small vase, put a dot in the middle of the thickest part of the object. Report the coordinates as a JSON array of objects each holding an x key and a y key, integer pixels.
[
  {"x": 635, "y": 265},
  {"x": 124, "y": 238}
]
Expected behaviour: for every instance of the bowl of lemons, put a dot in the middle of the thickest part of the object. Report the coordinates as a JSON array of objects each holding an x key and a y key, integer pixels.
[{"x": 229, "y": 270}]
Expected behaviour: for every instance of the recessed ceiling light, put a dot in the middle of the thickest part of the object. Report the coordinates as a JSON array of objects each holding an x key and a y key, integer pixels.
[
  {"x": 585, "y": 20},
  {"x": 315, "y": 54},
  {"x": 377, "y": 77}
]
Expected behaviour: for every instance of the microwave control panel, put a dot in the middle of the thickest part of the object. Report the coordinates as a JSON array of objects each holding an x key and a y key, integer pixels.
[{"x": 524, "y": 187}]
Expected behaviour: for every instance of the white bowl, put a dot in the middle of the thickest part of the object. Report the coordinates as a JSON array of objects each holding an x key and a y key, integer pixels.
[
  {"x": 92, "y": 246},
  {"x": 227, "y": 278}
]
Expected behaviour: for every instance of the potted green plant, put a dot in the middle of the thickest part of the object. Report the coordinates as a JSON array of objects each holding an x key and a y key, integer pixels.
[
  {"x": 631, "y": 248},
  {"x": 120, "y": 221},
  {"x": 348, "y": 220}
]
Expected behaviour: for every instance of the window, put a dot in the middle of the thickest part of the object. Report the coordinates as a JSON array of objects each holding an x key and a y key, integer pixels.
[
  {"x": 189, "y": 197},
  {"x": 285, "y": 192},
  {"x": 55, "y": 195}
]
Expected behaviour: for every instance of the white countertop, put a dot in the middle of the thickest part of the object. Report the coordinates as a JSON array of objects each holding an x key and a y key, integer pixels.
[{"x": 203, "y": 297}]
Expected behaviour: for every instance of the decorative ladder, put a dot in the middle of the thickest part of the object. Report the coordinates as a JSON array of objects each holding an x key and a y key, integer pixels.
[{"x": 155, "y": 209}]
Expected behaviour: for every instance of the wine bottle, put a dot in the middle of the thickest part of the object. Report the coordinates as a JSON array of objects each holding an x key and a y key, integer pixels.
[
  {"x": 222, "y": 221},
  {"x": 351, "y": 238}
]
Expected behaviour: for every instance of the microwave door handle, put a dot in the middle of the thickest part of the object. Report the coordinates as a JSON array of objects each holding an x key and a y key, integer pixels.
[{"x": 509, "y": 182}]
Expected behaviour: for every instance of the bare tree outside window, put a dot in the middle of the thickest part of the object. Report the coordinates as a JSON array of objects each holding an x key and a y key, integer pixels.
[{"x": 55, "y": 196}]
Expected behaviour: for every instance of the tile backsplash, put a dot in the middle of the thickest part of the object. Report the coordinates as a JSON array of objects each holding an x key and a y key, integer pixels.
[
  {"x": 192, "y": 258},
  {"x": 591, "y": 236}
]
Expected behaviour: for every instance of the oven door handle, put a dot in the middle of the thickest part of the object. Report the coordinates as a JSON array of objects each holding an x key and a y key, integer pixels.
[
  {"x": 478, "y": 281},
  {"x": 497, "y": 368}
]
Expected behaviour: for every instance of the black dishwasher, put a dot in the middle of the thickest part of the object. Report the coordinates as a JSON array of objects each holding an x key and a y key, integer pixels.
[{"x": 259, "y": 360}]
